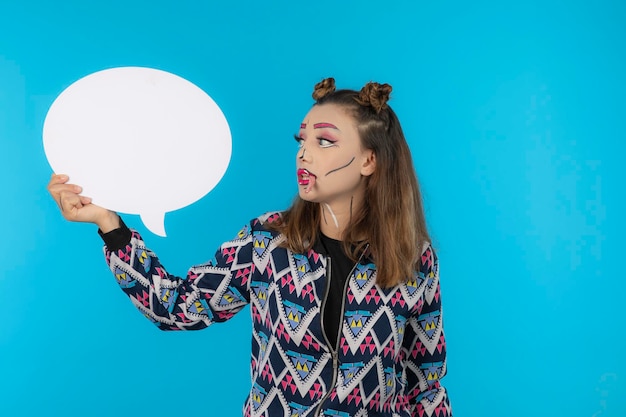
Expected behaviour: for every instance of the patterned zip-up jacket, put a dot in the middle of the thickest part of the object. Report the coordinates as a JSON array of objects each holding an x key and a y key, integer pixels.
[{"x": 390, "y": 355}]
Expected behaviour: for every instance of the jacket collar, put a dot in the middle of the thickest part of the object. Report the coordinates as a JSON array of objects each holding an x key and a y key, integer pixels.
[{"x": 318, "y": 247}]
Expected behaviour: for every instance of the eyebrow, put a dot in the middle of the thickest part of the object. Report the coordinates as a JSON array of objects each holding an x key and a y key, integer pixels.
[
  {"x": 302, "y": 125},
  {"x": 324, "y": 126}
]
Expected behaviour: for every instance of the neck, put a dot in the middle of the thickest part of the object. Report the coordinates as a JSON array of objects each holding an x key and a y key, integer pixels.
[{"x": 336, "y": 217}]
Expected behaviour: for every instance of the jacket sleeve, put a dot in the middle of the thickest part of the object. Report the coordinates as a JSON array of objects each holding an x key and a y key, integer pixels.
[
  {"x": 425, "y": 345},
  {"x": 210, "y": 292}
]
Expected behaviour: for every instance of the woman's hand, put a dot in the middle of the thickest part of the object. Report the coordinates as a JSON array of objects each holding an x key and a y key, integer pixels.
[{"x": 77, "y": 208}]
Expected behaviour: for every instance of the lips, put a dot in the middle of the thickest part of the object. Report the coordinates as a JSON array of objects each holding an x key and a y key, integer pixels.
[{"x": 306, "y": 178}]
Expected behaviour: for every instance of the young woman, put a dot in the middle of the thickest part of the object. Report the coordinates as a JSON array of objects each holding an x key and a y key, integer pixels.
[{"x": 343, "y": 287}]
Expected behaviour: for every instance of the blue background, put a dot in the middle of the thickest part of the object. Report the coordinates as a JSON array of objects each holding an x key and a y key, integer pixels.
[{"x": 516, "y": 117}]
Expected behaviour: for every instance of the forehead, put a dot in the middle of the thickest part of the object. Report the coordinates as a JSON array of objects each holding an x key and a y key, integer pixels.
[{"x": 329, "y": 113}]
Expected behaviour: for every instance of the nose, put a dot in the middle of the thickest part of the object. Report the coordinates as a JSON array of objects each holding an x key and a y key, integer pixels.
[{"x": 302, "y": 153}]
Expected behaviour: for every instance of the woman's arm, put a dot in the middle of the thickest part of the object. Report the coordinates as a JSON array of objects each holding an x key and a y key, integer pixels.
[
  {"x": 210, "y": 292},
  {"x": 425, "y": 346}
]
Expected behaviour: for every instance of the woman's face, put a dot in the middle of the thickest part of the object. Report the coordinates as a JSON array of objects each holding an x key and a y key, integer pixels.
[{"x": 331, "y": 162}]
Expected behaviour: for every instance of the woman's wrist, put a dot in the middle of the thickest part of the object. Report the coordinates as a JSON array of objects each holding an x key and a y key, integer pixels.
[{"x": 110, "y": 221}]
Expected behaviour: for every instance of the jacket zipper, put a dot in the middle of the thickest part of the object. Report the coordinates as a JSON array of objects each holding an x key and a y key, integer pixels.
[
  {"x": 332, "y": 351},
  {"x": 335, "y": 351}
]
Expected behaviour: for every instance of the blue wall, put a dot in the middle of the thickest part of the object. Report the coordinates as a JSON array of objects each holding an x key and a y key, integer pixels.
[{"x": 516, "y": 116}]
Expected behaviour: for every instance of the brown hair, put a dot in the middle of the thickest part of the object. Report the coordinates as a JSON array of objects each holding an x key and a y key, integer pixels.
[{"x": 391, "y": 217}]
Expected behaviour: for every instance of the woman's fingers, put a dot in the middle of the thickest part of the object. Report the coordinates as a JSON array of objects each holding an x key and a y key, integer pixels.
[
  {"x": 73, "y": 206},
  {"x": 58, "y": 178},
  {"x": 55, "y": 181},
  {"x": 67, "y": 197},
  {"x": 58, "y": 186},
  {"x": 58, "y": 183},
  {"x": 70, "y": 203}
]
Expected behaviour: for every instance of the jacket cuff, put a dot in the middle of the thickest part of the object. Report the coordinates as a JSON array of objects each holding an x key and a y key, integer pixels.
[{"x": 118, "y": 238}]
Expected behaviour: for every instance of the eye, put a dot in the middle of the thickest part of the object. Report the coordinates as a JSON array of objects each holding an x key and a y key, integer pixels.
[
  {"x": 299, "y": 140},
  {"x": 326, "y": 143}
]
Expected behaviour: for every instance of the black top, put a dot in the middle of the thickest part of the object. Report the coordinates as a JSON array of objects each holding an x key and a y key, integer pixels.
[{"x": 340, "y": 266}]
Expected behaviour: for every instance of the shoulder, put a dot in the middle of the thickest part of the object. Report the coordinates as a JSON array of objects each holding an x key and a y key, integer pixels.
[
  {"x": 269, "y": 217},
  {"x": 428, "y": 262},
  {"x": 257, "y": 231},
  {"x": 258, "y": 225},
  {"x": 265, "y": 222}
]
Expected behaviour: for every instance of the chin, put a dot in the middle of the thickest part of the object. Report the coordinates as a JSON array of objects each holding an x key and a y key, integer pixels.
[{"x": 307, "y": 196}]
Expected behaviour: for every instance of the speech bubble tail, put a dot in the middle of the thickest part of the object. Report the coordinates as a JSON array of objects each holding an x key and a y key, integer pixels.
[{"x": 155, "y": 222}]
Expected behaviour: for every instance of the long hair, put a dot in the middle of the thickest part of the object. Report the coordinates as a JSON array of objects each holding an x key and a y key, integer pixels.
[{"x": 391, "y": 217}]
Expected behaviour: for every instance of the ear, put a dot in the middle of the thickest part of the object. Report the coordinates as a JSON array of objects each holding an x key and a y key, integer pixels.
[{"x": 369, "y": 163}]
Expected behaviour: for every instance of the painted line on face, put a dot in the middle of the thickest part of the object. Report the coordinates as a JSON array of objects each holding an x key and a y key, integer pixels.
[
  {"x": 324, "y": 126},
  {"x": 351, "y": 201},
  {"x": 332, "y": 214},
  {"x": 341, "y": 167},
  {"x": 302, "y": 125}
]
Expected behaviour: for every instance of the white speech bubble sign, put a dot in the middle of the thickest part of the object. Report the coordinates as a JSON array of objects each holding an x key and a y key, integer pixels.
[{"x": 139, "y": 141}]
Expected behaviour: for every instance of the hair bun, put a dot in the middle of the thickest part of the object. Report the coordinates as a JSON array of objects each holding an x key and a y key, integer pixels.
[
  {"x": 323, "y": 88},
  {"x": 375, "y": 95}
]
